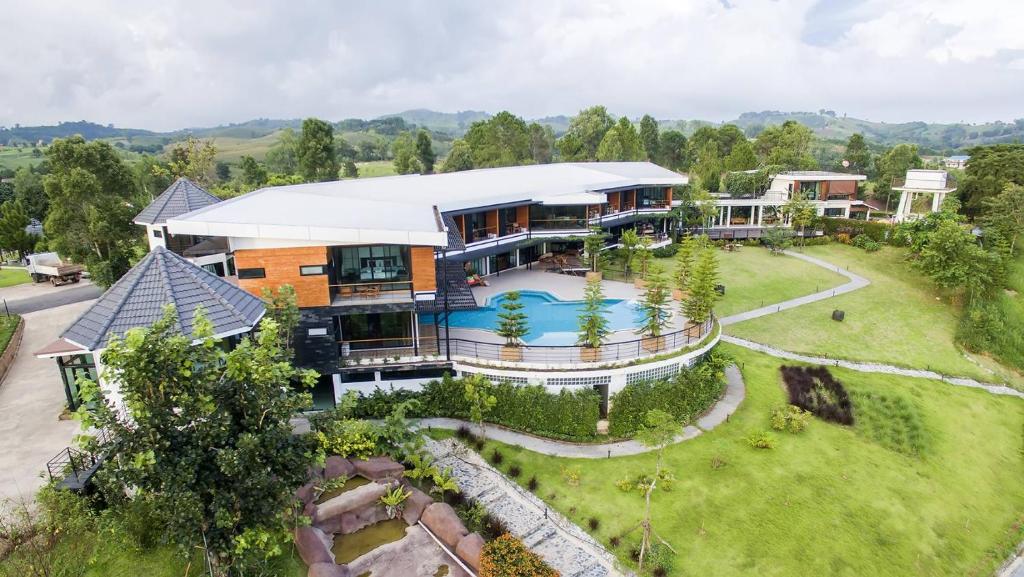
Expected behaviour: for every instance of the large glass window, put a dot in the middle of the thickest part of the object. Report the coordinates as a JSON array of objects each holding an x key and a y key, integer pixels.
[
  {"x": 810, "y": 189},
  {"x": 478, "y": 226},
  {"x": 507, "y": 221},
  {"x": 360, "y": 264},
  {"x": 650, "y": 197},
  {"x": 558, "y": 217},
  {"x": 376, "y": 330}
]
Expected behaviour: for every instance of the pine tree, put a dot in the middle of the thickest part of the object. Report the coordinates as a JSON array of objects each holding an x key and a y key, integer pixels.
[
  {"x": 684, "y": 262},
  {"x": 512, "y": 325},
  {"x": 699, "y": 304},
  {"x": 654, "y": 305},
  {"x": 593, "y": 325}
]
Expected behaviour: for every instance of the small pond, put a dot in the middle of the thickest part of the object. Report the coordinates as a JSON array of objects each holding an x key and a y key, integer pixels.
[
  {"x": 348, "y": 486},
  {"x": 348, "y": 548}
]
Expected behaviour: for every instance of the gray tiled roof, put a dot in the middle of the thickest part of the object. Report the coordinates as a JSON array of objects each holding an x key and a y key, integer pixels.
[
  {"x": 163, "y": 278},
  {"x": 180, "y": 198}
]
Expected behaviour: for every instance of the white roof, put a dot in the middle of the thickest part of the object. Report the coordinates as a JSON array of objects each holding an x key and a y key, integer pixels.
[
  {"x": 920, "y": 179},
  {"x": 404, "y": 209},
  {"x": 819, "y": 175},
  {"x": 584, "y": 198}
]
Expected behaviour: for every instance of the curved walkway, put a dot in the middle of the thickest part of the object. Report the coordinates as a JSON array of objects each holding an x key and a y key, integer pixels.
[
  {"x": 856, "y": 282},
  {"x": 874, "y": 367},
  {"x": 735, "y": 392}
]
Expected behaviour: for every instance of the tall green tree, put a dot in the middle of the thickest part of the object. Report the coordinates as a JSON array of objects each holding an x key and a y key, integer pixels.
[
  {"x": 479, "y": 393},
  {"x": 1004, "y": 213},
  {"x": 283, "y": 156},
  {"x": 404, "y": 156},
  {"x": 584, "y": 135},
  {"x": 649, "y": 137},
  {"x": 317, "y": 158},
  {"x": 349, "y": 169},
  {"x": 592, "y": 321},
  {"x": 788, "y": 144},
  {"x": 542, "y": 143},
  {"x": 700, "y": 302},
  {"x": 13, "y": 220},
  {"x": 801, "y": 213},
  {"x": 741, "y": 157},
  {"x": 685, "y": 258},
  {"x": 254, "y": 174},
  {"x": 708, "y": 165},
  {"x": 858, "y": 155},
  {"x": 459, "y": 158},
  {"x": 502, "y": 140},
  {"x": 673, "y": 151},
  {"x": 93, "y": 200},
  {"x": 654, "y": 305},
  {"x": 203, "y": 439},
  {"x": 425, "y": 151},
  {"x": 954, "y": 260},
  {"x": 621, "y": 142},
  {"x": 193, "y": 159},
  {"x": 895, "y": 163},
  {"x": 989, "y": 170},
  {"x": 28, "y": 188}
]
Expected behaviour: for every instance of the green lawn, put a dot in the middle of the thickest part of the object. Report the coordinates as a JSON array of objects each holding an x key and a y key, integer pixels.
[
  {"x": 831, "y": 501},
  {"x": 15, "y": 158},
  {"x": 899, "y": 319},
  {"x": 13, "y": 276},
  {"x": 376, "y": 168}
]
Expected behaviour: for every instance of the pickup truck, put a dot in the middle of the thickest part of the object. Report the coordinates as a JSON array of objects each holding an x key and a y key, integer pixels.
[{"x": 47, "y": 266}]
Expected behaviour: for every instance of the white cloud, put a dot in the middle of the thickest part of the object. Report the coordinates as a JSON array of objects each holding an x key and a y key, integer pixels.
[{"x": 175, "y": 63}]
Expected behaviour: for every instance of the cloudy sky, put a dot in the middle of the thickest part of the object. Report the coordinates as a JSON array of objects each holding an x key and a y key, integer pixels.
[{"x": 175, "y": 63}]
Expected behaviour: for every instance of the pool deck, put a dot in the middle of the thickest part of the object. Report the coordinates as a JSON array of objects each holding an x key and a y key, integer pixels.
[{"x": 566, "y": 288}]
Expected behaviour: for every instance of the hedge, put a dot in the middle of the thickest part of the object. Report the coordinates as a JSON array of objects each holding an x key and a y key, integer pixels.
[
  {"x": 878, "y": 231},
  {"x": 686, "y": 395},
  {"x": 568, "y": 414}
]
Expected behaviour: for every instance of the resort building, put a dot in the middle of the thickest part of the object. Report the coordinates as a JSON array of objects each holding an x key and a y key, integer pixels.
[
  {"x": 833, "y": 194},
  {"x": 956, "y": 161},
  {"x": 921, "y": 192},
  {"x": 380, "y": 269}
]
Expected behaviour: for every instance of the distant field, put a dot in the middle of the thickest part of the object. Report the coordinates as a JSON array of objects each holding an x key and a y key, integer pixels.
[
  {"x": 376, "y": 168},
  {"x": 15, "y": 158},
  {"x": 231, "y": 149}
]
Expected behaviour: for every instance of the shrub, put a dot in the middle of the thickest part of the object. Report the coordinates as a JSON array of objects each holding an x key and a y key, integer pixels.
[
  {"x": 496, "y": 457},
  {"x": 514, "y": 471},
  {"x": 814, "y": 389},
  {"x": 877, "y": 231},
  {"x": 568, "y": 414},
  {"x": 666, "y": 251},
  {"x": 761, "y": 440},
  {"x": 790, "y": 418},
  {"x": 661, "y": 558},
  {"x": 347, "y": 437},
  {"x": 816, "y": 240},
  {"x": 494, "y": 527},
  {"x": 594, "y": 523},
  {"x": 532, "y": 484},
  {"x": 615, "y": 541},
  {"x": 463, "y": 433},
  {"x": 867, "y": 243},
  {"x": 506, "y": 556},
  {"x": 688, "y": 394},
  {"x": 571, "y": 476},
  {"x": 717, "y": 462}
]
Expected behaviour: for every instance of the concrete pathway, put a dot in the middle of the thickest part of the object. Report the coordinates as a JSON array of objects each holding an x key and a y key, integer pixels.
[
  {"x": 31, "y": 399},
  {"x": 562, "y": 544},
  {"x": 875, "y": 368},
  {"x": 735, "y": 392},
  {"x": 855, "y": 282}
]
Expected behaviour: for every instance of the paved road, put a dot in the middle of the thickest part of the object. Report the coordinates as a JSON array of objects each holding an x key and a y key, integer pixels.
[
  {"x": 735, "y": 392},
  {"x": 856, "y": 282},
  {"x": 31, "y": 400},
  {"x": 48, "y": 297}
]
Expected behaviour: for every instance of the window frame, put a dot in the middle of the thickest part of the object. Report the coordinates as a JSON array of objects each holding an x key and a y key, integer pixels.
[
  {"x": 243, "y": 273},
  {"x": 322, "y": 267}
]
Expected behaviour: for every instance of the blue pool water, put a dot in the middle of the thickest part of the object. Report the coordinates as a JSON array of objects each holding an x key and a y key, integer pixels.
[{"x": 551, "y": 321}]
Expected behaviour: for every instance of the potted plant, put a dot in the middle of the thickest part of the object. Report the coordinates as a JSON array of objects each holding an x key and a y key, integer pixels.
[
  {"x": 684, "y": 265},
  {"x": 592, "y": 245},
  {"x": 512, "y": 327},
  {"x": 654, "y": 309},
  {"x": 642, "y": 260},
  {"x": 593, "y": 326}
]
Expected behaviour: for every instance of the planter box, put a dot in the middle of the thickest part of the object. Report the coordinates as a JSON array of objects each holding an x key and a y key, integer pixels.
[
  {"x": 514, "y": 354},
  {"x": 590, "y": 354},
  {"x": 653, "y": 344},
  {"x": 639, "y": 283},
  {"x": 591, "y": 275}
]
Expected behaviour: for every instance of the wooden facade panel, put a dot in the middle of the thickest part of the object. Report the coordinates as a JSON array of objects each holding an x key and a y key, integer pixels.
[
  {"x": 848, "y": 187},
  {"x": 281, "y": 267},
  {"x": 668, "y": 196},
  {"x": 614, "y": 200},
  {"x": 523, "y": 215},
  {"x": 424, "y": 277}
]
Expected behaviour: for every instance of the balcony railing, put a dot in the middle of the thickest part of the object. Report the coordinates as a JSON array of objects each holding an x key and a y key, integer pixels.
[
  {"x": 354, "y": 293},
  {"x": 901, "y": 181},
  {"x": 572, "y": 354},
  {"x": 387, "y": 348},
  {"x": 566, "y": 223}
]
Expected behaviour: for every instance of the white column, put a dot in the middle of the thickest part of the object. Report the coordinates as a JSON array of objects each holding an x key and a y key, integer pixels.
[
  {"x": 901, "y": 212},
  {"x": 937, "y": 199},
  {"x": 728, "y": 216},
  {"x": 760, "y": 214}
]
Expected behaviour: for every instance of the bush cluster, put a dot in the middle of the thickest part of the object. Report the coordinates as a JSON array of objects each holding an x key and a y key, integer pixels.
[
  {"x": 688, "y": 394},
  {"x": 876, "y": 231},
  {"x": 867, "y": 243},
  {"x": 761, "y": 440},
  {"x": 567, "y": 414},
  {"x": 814, "y": 389},
  {"x": 666, "y": 251},
  {"x": 790, "y": 418},
  {"x": 506, "y": 556}
]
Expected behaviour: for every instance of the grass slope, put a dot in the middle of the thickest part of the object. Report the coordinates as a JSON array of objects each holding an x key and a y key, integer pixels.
[
  {"x": 831, "y": 501},
  {"x": 899, "y": 319},
  {"x": 13, "y": 276}
]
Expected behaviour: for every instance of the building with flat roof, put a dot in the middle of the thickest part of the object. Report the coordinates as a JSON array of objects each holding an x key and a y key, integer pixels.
[{"x": 921, "y": 192}]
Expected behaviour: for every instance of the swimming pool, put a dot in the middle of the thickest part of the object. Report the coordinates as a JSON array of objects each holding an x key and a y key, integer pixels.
[{"x": 551, "y": 321}]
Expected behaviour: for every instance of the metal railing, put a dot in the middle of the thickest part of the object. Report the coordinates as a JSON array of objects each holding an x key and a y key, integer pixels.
[
  {"x": 610, "y": 352},
  {"x": 901, "y": 181},
  {"x": 357, "y": 350},
  {"x": 568, "y": 223},
  {"x": 372, "y": 289}
]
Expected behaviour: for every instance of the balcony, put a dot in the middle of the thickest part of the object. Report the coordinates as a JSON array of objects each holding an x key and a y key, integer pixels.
[
  {"x": 559, "y": 224},
  {"x": 372, "y": 293},
  {"x": 919, "y": 184},
  {"x": 382, "y": 351}
]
